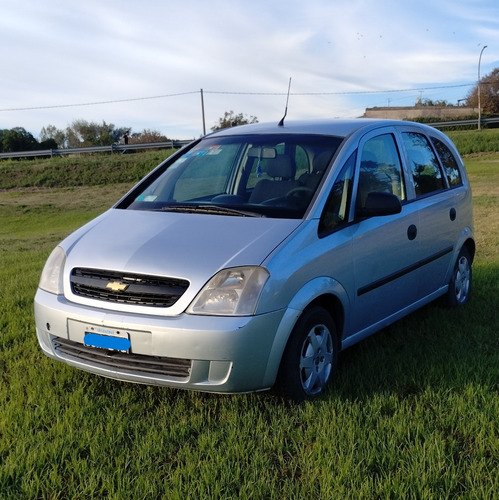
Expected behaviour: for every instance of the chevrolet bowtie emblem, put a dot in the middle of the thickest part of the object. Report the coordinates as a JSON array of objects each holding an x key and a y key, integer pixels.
[{"x": 116, "y": 286}]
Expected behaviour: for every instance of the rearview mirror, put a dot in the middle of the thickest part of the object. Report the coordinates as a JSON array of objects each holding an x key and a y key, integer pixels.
[{"x": 262, "y": 153}]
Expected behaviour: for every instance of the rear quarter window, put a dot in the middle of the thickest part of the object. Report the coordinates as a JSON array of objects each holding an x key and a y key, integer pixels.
[{"x": 449, "y": 163}]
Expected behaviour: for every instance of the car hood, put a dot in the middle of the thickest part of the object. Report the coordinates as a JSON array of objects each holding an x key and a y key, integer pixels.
[{"x": 180, "y": 245}]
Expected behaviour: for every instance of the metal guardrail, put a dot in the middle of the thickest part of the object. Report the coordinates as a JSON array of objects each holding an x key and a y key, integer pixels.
[
  {"x": 96, "y": 149},
  {"x": 456, "y": 123}
]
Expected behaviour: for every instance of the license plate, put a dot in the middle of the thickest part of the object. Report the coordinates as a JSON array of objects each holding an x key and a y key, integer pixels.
[{"x": 107, "y": 342}]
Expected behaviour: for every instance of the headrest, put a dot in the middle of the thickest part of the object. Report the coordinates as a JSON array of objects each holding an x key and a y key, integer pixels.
[
  {"x": 321, "y": 161},
  {"x": 280, "y": 167}
]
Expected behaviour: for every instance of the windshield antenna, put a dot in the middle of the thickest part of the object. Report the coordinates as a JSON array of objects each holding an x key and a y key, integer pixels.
[{"x": 281, "y": 123}]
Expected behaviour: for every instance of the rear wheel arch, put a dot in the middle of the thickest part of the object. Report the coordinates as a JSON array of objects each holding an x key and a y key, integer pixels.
[
  {"x": 460, "y": 283},
  {"x": 470, "y": 245}
]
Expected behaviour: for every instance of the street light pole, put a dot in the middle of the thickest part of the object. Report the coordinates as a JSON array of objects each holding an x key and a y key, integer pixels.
[{"x": 479, "y": 104}]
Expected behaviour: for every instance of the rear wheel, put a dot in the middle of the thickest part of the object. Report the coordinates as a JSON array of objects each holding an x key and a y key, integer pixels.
[
  {"x": 460, "y": 284},
  {"x": 310, "y": 358}
]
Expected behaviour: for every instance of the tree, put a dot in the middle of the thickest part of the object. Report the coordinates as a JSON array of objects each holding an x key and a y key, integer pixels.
[
  {"x": 428, "y": 102},
  {"x": 147, "y": 136},
  {"x": 230, "y": 119},
  {"x": 17, "y": 139},
  {"x": 49, "y": 144},
  {"x": 82, "y": 133},
  {"x": 51, "y": 133},
  {"x": 489, "y": 94}
]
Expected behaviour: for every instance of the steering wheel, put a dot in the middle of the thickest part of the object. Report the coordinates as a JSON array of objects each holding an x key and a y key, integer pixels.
[{"x": 300, "y": 192}]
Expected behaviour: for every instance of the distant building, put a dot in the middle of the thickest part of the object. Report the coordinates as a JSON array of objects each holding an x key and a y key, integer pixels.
[{"x": 420, "y": 111}]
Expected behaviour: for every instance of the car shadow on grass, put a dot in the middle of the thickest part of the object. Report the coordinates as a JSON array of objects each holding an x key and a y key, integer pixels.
[{"x": 434, "y": 347}]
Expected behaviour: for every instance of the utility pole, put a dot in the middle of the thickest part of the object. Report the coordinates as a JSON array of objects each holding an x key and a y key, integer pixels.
[
  {"x": 479, "y": 104},
  {"x": 202, "y": 112}
]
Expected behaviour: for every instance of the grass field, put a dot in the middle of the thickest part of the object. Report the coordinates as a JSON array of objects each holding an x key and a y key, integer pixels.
[
  {"x": 475, "y": 141},
  {"x": 413, "y": 412}
]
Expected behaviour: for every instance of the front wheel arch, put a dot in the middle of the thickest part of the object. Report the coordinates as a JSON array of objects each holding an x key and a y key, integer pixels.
[
  {"x": 323, "y": 291},
  {"x": 310, "y": 357}
]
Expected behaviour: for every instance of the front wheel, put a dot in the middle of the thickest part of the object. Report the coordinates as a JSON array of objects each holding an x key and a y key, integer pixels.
[
  {"x": 460, "y": 284},
  {"x": 310, "y": 358}
]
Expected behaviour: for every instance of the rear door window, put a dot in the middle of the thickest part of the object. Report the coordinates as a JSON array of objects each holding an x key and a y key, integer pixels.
[{"x": 424, "y": 165}]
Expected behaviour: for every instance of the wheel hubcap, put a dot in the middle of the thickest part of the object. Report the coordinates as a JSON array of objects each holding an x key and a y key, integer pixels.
[
  {"x": 316, "y": 359},
  {"x": 463, "y": 280}
]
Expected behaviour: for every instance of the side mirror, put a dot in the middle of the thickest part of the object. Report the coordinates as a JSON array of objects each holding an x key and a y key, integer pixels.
[{"x": 379, "y": 204}]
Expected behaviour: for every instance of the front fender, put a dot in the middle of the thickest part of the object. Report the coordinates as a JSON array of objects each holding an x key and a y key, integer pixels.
[{"x": 310, "y": 292}]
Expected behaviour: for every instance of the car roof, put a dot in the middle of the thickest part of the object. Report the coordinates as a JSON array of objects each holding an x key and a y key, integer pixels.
[{"x": 336, "y": 127}]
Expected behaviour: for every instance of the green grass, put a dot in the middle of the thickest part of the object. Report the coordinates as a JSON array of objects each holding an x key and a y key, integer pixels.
[
  {"x": 475, "y": 141},
  {"x": 76, "y": 170},
  {"x": 413, "y": 412}
]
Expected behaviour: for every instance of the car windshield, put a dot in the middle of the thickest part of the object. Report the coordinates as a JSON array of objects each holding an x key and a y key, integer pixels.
[{"x": 260, "y": 175}]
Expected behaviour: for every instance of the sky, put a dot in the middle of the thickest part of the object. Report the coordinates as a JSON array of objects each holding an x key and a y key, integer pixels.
[{"x": 144, "y": 64}]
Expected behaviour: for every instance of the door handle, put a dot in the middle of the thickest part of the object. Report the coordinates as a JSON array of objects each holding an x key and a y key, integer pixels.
[{"x": 412, "y": 232}]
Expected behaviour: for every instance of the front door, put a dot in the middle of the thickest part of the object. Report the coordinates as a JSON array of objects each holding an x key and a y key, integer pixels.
[{"x": 385, "y": 248}]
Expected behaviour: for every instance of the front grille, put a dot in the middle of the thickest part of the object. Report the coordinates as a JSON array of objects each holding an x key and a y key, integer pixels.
[
  {"x": 127, "y": 288},
  {"x": 168, "y": 367}
]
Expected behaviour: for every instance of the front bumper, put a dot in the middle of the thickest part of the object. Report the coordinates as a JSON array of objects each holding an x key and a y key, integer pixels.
[{"x": 206, "y": 353}]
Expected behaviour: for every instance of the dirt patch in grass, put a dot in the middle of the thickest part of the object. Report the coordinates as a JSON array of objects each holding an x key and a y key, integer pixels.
[{"x": 75, "y": 198}]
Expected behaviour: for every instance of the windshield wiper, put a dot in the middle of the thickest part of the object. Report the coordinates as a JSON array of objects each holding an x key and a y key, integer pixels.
[{"x": 209, "y": 209}]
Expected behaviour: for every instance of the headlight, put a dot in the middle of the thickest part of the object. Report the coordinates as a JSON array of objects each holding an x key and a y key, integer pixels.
[
  {"x": 231, "y": 292},
  {"x": 51, "y": 278}
]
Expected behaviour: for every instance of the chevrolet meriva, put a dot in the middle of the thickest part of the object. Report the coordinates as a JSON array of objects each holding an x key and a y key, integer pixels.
[{"x": 251, "y": 257}]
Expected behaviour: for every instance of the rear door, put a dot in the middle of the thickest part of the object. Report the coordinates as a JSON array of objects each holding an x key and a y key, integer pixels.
[{"x": 438, "y": 207}]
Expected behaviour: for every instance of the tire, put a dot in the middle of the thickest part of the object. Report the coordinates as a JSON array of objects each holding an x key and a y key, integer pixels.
[
  {"x": 310, "y": 357},
  {"x": 460, "y": 283}
]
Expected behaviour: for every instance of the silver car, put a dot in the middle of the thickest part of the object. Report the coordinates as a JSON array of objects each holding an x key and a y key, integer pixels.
[{"x": 251, "y": 257}]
